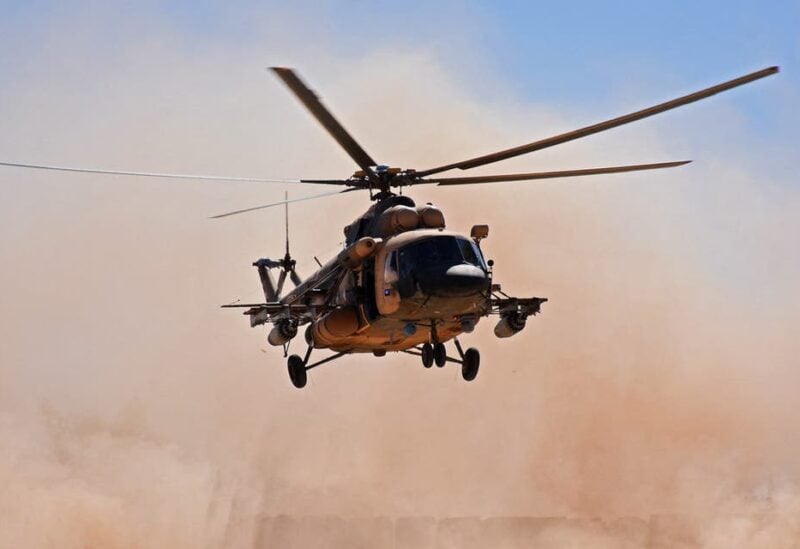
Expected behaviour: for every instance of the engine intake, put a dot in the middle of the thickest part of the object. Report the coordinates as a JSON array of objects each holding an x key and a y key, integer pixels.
[
  {"x": 354, "y": 255},
  {"x": 398, "y": 219}
]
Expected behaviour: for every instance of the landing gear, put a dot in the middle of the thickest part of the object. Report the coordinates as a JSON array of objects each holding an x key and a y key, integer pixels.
[
  {"x": 297, "y": 371},
  {"x": 439, "y": 354},
  {"x": 298, "y": 366},
  {"x": 471, "y": 361},
  {"x": 427, "y": 355}
]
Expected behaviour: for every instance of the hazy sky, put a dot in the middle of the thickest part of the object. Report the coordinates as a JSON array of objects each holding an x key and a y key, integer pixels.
[
  {"x": 583, "y": 57},
  {"x": 659, "y": 380}
]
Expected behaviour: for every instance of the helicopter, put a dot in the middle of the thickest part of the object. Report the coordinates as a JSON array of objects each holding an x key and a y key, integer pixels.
[{"x": 403, "y": 281}]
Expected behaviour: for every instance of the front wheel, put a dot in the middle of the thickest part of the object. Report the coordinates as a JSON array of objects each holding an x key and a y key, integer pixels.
[
  {"x": 427, "y": 355},
  {"x": 439, "y": 354},
  {"x": 297, "y": 371},
  {"x": 470, "y": 364}
]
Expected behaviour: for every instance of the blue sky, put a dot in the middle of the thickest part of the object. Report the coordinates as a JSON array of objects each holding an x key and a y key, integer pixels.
[
  {"x": 526, "y": 39},
  {"x": 567, "y": 53}
]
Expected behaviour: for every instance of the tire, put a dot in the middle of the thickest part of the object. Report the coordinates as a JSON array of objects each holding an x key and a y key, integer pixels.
[
  {"x": 470, "y": 364},
  {"x": 427, "y": 355},
  {"x": 297, "y": 371},
  {"x": 439, "y": 354}
]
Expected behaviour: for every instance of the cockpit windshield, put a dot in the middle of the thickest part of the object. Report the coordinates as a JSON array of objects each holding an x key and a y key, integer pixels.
[{"x": 440, "y": 250}]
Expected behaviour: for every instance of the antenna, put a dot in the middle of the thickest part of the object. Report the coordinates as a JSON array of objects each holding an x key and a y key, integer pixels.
[
  {"x": 287, "y": 264},
  {"x": 286, "y": 217}
]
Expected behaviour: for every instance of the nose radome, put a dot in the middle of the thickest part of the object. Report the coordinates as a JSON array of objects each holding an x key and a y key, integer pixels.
[
  {"x": 465, "y": 279},
  {"x": 458, "y": 280},
  {"x": 465, "y": 271}
]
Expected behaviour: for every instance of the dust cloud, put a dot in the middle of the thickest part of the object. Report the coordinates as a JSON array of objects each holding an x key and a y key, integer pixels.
[{"x": 653, "y": 403}]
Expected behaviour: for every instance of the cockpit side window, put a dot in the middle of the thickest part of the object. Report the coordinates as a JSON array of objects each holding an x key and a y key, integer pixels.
[
  {"x": 390, "y": 273},
  {"x": 467, "y": 251},
  {"x": 472, "y": 253}
]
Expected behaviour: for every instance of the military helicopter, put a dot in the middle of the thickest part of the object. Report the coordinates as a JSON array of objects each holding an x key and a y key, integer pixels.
[{"x": 403, "y": 282}]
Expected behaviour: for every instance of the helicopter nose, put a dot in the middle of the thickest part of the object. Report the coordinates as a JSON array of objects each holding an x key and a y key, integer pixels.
[{"x": 458, "y": 280}]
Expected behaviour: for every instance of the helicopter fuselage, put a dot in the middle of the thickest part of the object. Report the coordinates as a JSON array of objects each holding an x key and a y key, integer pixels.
[
  {"x": 420, "y": 286},
  {"x": 402, "y": 280}
]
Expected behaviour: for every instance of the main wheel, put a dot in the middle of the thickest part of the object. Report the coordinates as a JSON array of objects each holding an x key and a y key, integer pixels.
[
  {"x": 427, "y": 355},
  {"x": 470, "y": 364},
  {"x": 439, "y": 354},
  {"x": 297, "y": 371}
]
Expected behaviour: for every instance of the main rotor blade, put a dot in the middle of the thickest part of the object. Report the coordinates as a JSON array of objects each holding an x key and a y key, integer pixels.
[
  {"x": 324, "y": 117},
  {"x": 281, "y": 203},
  {"x": 602, "y": 126},
  {"x": 328, "y": 181},
  {"x": 551, "y": 175},
  {"x": 150, "y": 174}
]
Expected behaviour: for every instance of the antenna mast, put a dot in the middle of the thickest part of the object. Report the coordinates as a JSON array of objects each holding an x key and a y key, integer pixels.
[{"x": 286, "y": 217}]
